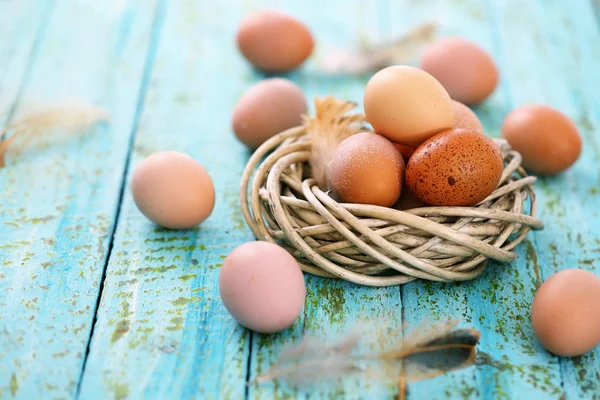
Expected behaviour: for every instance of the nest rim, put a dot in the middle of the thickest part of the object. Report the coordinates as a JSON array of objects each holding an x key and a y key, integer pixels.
[{"x": 449, "y": 254}]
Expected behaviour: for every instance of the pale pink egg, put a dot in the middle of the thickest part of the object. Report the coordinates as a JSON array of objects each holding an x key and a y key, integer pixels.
[{"x": 262, "y": 287}]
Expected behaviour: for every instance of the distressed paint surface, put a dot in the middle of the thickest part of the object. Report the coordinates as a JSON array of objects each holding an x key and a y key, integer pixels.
[
  {"x": 170, "y": 74},
  {"x": 58, "y": 205}
]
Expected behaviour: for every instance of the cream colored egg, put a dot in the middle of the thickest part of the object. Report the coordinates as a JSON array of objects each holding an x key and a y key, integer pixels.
[{"x": 407, "y": 105}]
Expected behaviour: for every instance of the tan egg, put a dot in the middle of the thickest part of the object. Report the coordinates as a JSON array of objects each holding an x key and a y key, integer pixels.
[
  {"x": 457, "y": 167},
  {"x": 406, "y": 151},
  {"x": 407, "y": 105},
  {"x": 273, "y": 41},
  {"x": 565, "y": 313},
  {"x": 262, "y": 287},
  {"x": 267, "y": 108},
  {"x": 465, "y": 118},
  {"x": 367, "y": 168},
  {"x": 466, "y": 70},
  {"x": 548, "y": 140},
  {"x": 173, "y": 190}
]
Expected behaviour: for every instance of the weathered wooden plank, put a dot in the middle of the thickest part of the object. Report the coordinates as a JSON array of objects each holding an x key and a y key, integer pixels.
[
  {"x": 161, "y": 330},
  {"x": 58, "y": 204},
  {"x": 531, "y": 58},
  {"x": 572, "y": 199},
  {"x": 333, "y": 308},
  {"x": 21, "y": 25}
]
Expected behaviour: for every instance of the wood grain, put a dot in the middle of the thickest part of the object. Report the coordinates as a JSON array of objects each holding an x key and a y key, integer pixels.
[
  {"x": 58, "y": 203},
  {"x": 162, "y": 331},
  {"x": 170, "y": 75}
]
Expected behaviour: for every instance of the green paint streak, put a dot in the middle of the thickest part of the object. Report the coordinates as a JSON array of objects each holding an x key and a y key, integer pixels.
[
  {"x": 181, "y": 301},
  {"x": 14, "y": 385},
  {"x": 177, "y": 324},
  {"x": 187, "y": 277},
  {"x": 121, "y": 391},
  {"x": 532, "y": 258},
  {"x": 142, "y": 271},
  {"x": 166, "y": 239},
  {"x": 121, "y": 329},
  {"x": 187, "y": 248},
  {"x": 332, "y": 301}
]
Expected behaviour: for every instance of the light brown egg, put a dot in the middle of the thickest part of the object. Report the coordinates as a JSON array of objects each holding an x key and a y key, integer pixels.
[
  {"x": 466, "y": 70},
  {"x": 565, "y": 313},
  {"x": 273, "y": 41},
  {"x": 367, "y": 168},
  {"x": 267, "y": 108},
  {"x": 173, "y": 190},
  {"x": 407, "y": 105},
  {"x": 406, "y": 151},
  {"x": 457, "y": 167},
  {"x": 548, "y": 140},
  {"x": 262, "y": 287},
  {"x": 465, "y": 118}
]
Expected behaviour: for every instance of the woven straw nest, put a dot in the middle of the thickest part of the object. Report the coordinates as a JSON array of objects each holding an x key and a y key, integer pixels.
[{"x": 378, "y": 246}]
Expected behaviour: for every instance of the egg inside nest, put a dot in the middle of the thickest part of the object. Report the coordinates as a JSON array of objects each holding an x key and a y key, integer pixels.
[{"x": 457, "y": 167}]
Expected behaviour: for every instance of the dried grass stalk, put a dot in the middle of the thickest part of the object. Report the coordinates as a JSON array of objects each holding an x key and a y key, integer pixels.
[{"x": 69, "y": 117}]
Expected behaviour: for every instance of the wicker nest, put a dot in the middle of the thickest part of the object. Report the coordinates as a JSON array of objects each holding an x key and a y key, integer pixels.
[{"x": 378, "y": 246}]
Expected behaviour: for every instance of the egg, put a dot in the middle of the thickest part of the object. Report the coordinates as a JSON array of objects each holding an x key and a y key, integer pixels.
[
  {"x": 457, "y": 167},
  {"x": 367, "y": 168},
  {"x": 406, "y": 151},
  {"x": 267, "y": 108},
  {"x": 465, "y": 118},
  {"x": 565, "y": 313},
  {"x": 548, "y": 140},
  {"x": 173, "y": 190},
  {"x": 262, "y": 287},
  {"x": 466, "y": 70},
  {"x": 407, "y": 105},
  {"x": 273, "y": 41}
]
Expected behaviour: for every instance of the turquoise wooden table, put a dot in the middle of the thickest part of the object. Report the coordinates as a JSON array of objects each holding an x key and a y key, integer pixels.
[{"x": 96, "y": 302}]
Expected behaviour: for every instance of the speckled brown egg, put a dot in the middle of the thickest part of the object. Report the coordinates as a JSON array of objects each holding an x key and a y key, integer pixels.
[
  {"x": 547, "y": 139},
  {"x": 565, "y": 313},
  {"x": 267, "y": 108},
  {"x": 457, "y": 167},
  {"x": 466, "y": 70},
  {"x": 273, "y": 41},
  {"x": 465, "y": 118},
  {"x": 367, "y": 168}
]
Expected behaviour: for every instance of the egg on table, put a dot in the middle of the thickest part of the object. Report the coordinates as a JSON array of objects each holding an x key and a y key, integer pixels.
[
  {"x": 457, "y": 167},
  {"x": 407, "y": 105},
  {"x": 274, "y": 41},
  {"x": 466, "y": 70},
  {"x": 267, "y": 108},
  {"x": 565, "y": 313},
  {"x": 262, "y": 287},
  {"x": 547, "y": 139},
  {"x": 173, "y": 190},
  {"x": 367, "y": 168}
]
